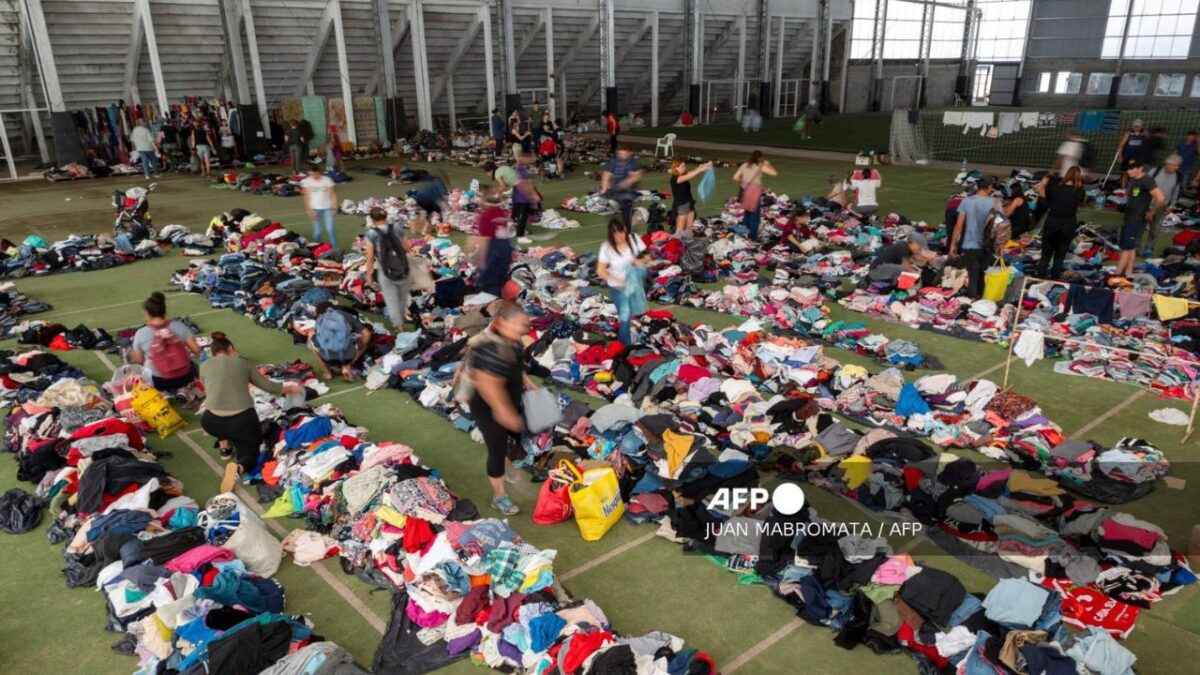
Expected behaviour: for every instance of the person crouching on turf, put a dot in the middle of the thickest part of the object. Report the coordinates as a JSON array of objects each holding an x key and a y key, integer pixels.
[
  {"x": 899, "y": 257},
  {"x": 339, "y": 340}
]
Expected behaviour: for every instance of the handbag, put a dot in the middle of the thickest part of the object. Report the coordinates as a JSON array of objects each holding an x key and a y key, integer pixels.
[
  {"x": 541, "y": 410},
  {"x": 554, "y": 497},
  {"x": 596, "y": 499}
]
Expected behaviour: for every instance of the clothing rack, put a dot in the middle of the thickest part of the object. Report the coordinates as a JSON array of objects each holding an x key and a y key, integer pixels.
[{"x": 1013, "y": 334}]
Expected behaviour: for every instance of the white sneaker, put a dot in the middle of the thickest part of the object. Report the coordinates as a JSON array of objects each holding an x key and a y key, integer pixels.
[{"x": 524, "y": 241}]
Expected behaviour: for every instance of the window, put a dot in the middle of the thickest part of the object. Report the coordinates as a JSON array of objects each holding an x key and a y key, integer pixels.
[
  {"x": 1134, "y": 84},
  {"x": 862, "y": 43},
  {"x": 903, "y": 31},
  {"x": 1196, "y": 87},
  {"x": 1158, "y": 29},
  {"x": 1002, "y": 26},
  {"x": 1169, "y": 84},
  {"x": 1099, "y": 83},
  {"x": 948, "y": 26},
  {"x": 1067, "y": 83},
  {"x": 1039, "y": 83}
]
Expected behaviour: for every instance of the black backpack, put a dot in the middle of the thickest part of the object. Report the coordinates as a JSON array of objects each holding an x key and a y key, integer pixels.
[{"x": 392, "y": 258}]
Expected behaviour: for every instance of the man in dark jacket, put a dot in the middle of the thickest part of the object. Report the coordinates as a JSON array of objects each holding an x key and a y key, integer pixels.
[{"x": 498, "y": 131}]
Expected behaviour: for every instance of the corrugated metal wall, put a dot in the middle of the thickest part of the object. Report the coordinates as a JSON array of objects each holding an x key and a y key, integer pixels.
[{"x": 91, "y": 41}]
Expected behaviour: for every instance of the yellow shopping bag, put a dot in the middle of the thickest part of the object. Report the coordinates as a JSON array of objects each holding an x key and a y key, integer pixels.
[
  {"x": 596, "y": 499},
  {"x": 155, "y": 410},
  {"x": 995, "y": 282}
]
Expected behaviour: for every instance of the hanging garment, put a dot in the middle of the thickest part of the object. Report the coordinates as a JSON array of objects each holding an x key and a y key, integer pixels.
[
  {"x": 1170, "y": 308},
  {"x": 1096, "y": 301},
  {"x": 1132, "y": 305}
]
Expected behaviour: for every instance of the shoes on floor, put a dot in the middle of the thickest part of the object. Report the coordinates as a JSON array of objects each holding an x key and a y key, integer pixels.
[
  {"x": 524, "y": 241},
  {"x": 505, "y": 506}
]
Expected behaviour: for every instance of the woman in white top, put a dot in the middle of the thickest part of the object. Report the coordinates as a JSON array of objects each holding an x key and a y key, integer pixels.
[
  {"x": 320, "y": 200},
  {"x": 865, "y": 183},
  {"x": 618, "y": 255},
  {"x": 750, "y": 175}
]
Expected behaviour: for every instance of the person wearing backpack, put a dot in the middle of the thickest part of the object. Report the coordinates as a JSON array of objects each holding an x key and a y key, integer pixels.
[
  {"x": 339, "y": 341},
  {"x": 388, "y": 266},
  {"x": 971, "y": 241},
  {"x": 165, "y": 347}
]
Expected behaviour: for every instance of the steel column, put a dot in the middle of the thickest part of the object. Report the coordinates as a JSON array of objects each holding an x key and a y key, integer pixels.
[
  {"x": 255, "y": 65},
  {"x": 339, "y": 38},
  {"x": 551, "y": 91},
  {"x": 489, "y": 67},
  {"x": 654, "y": 71},
  {"x": 45, "y": 56},
  {"x": 383, "y": 24},
  {"x": 231, "y": 18},
  {"x": 416, "y": 24}
]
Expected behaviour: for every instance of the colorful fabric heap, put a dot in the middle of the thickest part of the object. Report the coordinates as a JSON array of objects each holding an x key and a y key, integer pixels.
[
  {"x": 36, "y": 257},
  {"x": 464, "y": 586},
  {"x": 14, "y": 304},
  {"x": 187, "y": 585}
]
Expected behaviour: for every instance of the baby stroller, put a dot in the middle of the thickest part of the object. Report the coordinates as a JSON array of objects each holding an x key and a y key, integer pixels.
[
  {"x": 132, "y": 209},
  {"x": 548, "y": 151}
]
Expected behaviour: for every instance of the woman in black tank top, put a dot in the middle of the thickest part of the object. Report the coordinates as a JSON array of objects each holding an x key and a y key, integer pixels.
[{"x": 682, "y": 202}]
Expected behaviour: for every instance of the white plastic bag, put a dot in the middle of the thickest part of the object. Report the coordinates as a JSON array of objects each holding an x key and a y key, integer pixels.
[{"x": 250, "y": 542}]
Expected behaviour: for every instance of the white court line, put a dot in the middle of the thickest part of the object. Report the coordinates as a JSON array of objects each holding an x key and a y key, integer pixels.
[
  {"x": 336, "y": 584},
  {"x": 762, "y": 646},
  {"x": 989, "y": 371},
  {"x": 55, "y": 315},
  {"x": 596, "y": 562},
  {"x": 1111, "y": 411},
  {"x": 105, "y": 360},
  {"x": 339, "y": 393}
]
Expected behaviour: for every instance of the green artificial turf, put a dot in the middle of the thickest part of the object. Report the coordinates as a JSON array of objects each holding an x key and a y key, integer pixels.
[
  {"x": 652, "y": 584},
  {"x": 852, "y": 132}
]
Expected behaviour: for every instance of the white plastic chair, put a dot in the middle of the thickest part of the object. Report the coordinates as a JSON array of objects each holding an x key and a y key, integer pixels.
[{"x": 667, "y": 145}]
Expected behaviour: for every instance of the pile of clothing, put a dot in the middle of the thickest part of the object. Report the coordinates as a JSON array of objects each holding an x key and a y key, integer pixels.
[
  {"x": 695, "y": 409},
  {"x": 188, "y": 242},
  {"x": 188, "y": 586},
  {"x": 35, "y": 256},
  {"x": 14, "y": 304},
  {"x": 258, "y": 183},
  {"x": 463, "y": 586},
  {"x": 459, "y": 208}
]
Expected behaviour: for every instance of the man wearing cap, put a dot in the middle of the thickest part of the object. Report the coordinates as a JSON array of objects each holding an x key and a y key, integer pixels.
[
  {"x": 1142, "y": 199},
  {"x": 1132, "y": 146},
  {"x": 1169, "y": 180},
  {"x": 974, "y": 215},
  {"x": 898, "y": 257}
]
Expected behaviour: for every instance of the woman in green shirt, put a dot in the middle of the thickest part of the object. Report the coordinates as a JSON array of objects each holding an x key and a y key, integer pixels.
[{"x": 229, "y": 413}]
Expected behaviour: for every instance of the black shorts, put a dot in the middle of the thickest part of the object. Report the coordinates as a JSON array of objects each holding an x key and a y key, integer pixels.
[
  {"x": 684, "y": 208},
  {"x": 1131, "y": 235},
  {"x": 169, "y": 385}
]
